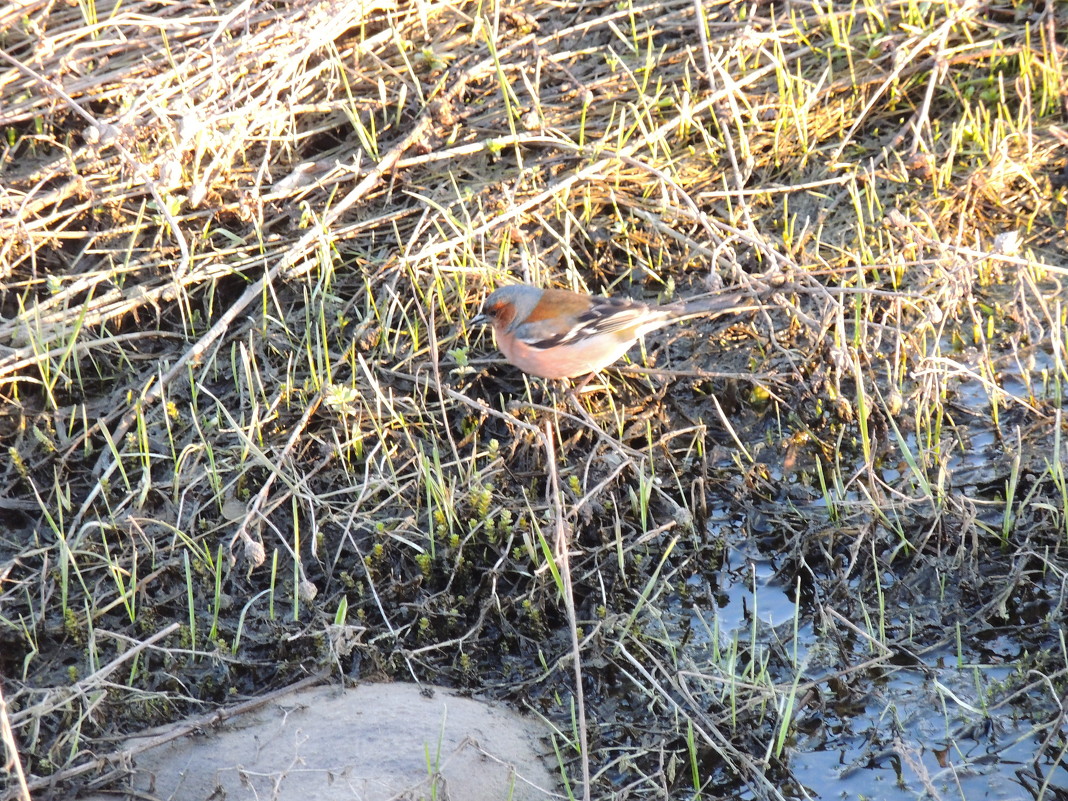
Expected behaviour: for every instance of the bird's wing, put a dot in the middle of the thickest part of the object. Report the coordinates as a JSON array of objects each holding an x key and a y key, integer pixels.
[{"x": 601, "y": 316}]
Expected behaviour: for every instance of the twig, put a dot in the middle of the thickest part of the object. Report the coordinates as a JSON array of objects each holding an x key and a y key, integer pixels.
[
  {"x": 563, "y": 562},
  {"x": 62, "y": 694},
  {"x": 12, "y": 763}
]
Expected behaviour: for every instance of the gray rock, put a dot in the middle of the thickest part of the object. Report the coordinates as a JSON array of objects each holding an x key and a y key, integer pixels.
[{"x": 372, "y": 743}]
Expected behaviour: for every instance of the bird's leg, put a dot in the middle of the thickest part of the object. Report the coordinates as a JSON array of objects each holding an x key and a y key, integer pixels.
[{"x": 576, "y": 389}]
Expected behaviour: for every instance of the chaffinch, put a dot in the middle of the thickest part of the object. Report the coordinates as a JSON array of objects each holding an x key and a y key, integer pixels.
[{"x": 555, "y": 333}]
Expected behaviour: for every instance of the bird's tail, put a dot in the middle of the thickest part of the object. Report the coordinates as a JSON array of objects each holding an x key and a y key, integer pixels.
[{"x": 714, "y": 306}]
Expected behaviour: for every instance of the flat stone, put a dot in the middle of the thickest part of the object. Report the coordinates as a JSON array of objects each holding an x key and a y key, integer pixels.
[{"x": 371, "y": 743}]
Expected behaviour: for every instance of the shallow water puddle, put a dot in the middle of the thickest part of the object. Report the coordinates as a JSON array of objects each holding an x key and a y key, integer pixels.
[{"x": 903, "y": 726}]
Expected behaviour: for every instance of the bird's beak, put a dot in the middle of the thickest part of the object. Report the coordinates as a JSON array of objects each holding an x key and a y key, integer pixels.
[{"x": 480, "y": 319}]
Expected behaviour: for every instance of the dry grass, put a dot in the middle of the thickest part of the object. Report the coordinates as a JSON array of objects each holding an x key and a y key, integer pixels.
[{"x": 239, "y": 249}]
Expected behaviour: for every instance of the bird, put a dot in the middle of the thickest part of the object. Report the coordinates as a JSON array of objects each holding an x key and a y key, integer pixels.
[{"x": 557, "y": 333}]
